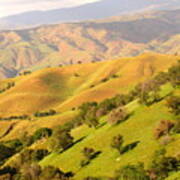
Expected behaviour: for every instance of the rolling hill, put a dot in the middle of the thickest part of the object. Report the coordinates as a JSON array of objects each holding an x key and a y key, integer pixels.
[
  {"x": 73, "y": 43},
  {"x": 64, "y": 89}
]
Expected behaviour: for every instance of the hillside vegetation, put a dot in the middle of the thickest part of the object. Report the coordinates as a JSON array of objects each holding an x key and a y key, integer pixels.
[
  {"x": 74, "y": 43},
  {"x": 117, "y": 120}
]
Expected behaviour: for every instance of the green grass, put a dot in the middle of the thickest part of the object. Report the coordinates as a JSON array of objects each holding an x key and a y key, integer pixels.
[
  {"x": 139, "y": 127},
  {"x": 54, "y": 84}
]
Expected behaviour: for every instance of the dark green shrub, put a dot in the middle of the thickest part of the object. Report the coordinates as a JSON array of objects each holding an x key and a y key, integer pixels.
[
  {"x": 162, "y": 78},
  {"x": 15, "y": 144},
  {"x": 22, "y": 117},
  {"x": 107, "y": 105},
  {"x": 162, "y": 165},
  {"x": 42, "y": 133},
  {"x": 39, "y": 154},
  {"x": 174, "y": 104},
  {"x": 5, "y": 152},
  {"x": 51, "y": 112},
  {"x": 88, "y": 153},
  {"x": 174, "y": 74},
  {"x": 61, "y": 139},
  {"x": 51, "y": 172},
  {"x": 114, "y": 76},
  {"x": 176, "y": 128},
  {"x": 132, "y": 172},
  {"x": 26, "y": 139},
  {"x": 117, "y": 142},
  {"x": 87, "y": 114},
  {"x": 104, "y": 80}
]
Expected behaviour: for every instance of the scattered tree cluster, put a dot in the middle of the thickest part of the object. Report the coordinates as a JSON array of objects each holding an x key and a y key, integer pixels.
[
  {"x": 42, "y": 133},
  {"x": 162, "y": 165},
  {"x": 9, "y": 85},
  {"x": 33, "y": 172},
  {"x": 51, "y": 112},
  {"x": 14, "y": 117},
  {"x": 24, "y": 73},
  {"x": 87, "y": 114},
  {"x": 5, "y": 152},
  {"x": 61, "y": 139},
  {"x": 132, "y": 172}
]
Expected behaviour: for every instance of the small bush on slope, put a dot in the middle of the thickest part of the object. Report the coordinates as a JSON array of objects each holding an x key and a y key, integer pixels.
[
  {"x": 174, "y": 104},
  {"x": 117, "y": 115},
  {"x": 117, "y": 142},
  {"x": 89, "y": 154},
  {"x": 88, "y": 114},
  {"x": 60, "y": 140},
  {"x": 42, "y": 133},
  {"x": 162, "y": 165},
  {"x": 5, "y": 152},
  {"x": 174, "y": 74},
  {"x": 132, "y": 172},
  {"x": 163, "y": 128}
]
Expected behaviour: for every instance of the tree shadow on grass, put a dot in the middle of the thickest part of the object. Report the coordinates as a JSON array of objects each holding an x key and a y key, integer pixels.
[
  {"x": 101, "y": 125},
  {"x": 129, "y": 147},
  {"x": 86, "y": 162},
  {"x": 96, "y": 154},
  {"x": 74, "y": 143}
]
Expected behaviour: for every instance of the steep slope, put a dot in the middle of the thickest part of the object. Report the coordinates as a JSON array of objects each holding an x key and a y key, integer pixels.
[{"x": 89, "y": 41}]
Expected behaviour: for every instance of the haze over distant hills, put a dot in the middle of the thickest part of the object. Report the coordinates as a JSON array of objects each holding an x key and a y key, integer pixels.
[
  {"x": 100, "y": 9},
  {"x": 72, "y": 43}
]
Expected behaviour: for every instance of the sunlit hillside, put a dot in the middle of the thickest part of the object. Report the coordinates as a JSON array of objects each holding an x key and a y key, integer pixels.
[
  {"x": 91, "y": 120},
  {"x": 91, "y": 41},
  {"x": 65, "y": 87}
]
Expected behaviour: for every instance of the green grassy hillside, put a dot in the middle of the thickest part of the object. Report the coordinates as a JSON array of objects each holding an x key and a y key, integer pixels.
[{"x": 77, "y": 135}]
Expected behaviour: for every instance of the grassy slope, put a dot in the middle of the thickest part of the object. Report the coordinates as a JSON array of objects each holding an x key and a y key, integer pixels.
[
  {"x": 139, "y": 127},
  {"x": 49, "y": 88}
]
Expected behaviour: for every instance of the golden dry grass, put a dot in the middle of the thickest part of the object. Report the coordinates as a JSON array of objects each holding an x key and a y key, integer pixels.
[{"x": 63, "y": 88}]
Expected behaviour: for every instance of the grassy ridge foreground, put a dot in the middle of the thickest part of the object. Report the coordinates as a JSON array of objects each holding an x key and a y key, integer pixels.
[
  {"x": 51, "y": 97},
  {"x": 139, "y": 127}
]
